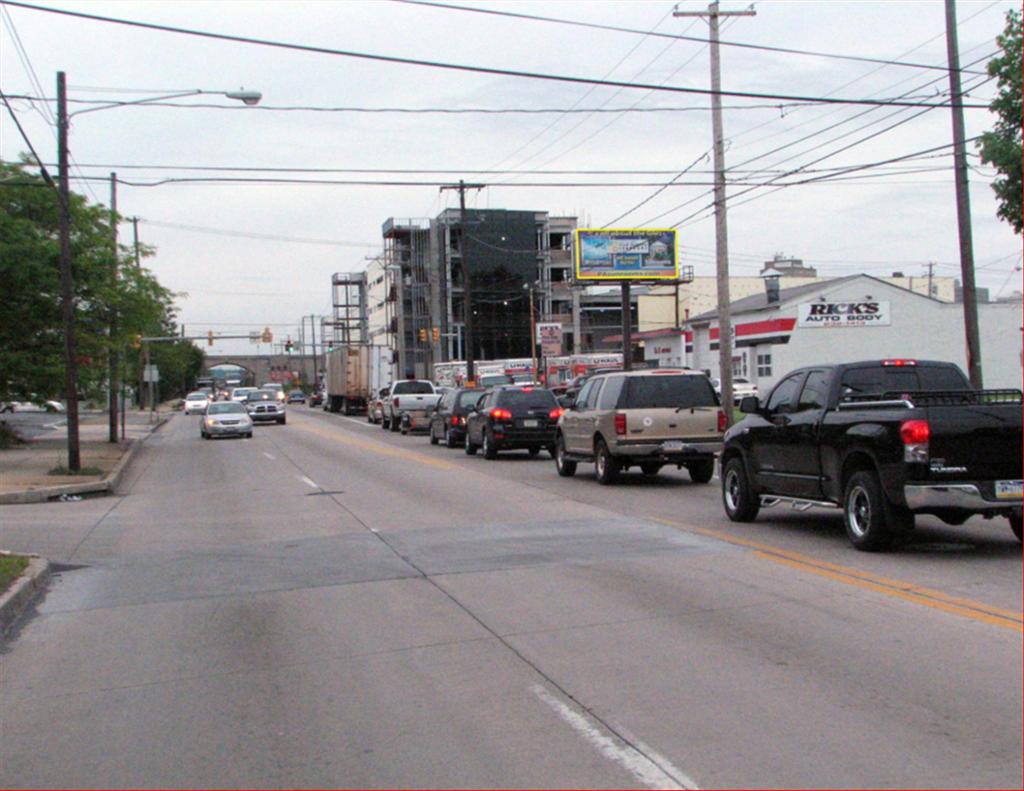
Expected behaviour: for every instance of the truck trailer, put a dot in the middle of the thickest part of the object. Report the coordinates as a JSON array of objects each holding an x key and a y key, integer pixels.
[{"x": 348, "y": 378}]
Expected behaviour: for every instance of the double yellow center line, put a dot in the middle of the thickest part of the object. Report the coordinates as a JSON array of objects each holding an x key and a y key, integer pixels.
[{"x": 967, "y": 608}]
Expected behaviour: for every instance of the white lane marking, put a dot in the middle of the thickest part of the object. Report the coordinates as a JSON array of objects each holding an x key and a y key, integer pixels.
[
  {"x": 363, "y": 423},
  {"x": 654, "y": 771},
  {"x": 308, "y": 482},
  {"x": 269, "y": 456}
]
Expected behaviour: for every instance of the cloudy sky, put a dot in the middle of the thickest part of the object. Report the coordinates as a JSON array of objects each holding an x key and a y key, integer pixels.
[{"x": 218, "y": 187}]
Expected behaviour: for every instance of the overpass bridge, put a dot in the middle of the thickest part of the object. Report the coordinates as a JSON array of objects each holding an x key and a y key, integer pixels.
[{"x": 255, "y": 369}]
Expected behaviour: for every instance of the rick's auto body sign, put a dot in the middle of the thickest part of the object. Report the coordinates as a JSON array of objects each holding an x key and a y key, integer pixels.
[{"x": 844, "y": 314}]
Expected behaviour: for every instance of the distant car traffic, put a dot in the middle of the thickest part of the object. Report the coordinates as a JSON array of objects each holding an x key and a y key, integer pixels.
[
  {"x": 510, "y": 417},
  {"x": 448, "y": 421},
  {"x": 225, "y": 419},
  {"x": 375, "y": 409},
  {"x": 32, "y": 406},
  {"x": 277, "y": 387},
  {"x": 264, "y": 407},
  {"x": 241, "y": 393},
  {"x": 296, "y": 397},
  {"x": 316, "y": 398},
  {"x": 196, "y": 403}
]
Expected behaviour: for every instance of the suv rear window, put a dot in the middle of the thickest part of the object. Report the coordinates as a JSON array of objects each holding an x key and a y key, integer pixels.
[
  {"x": 527, "y": 398},
  {"x": 667, "y": 392}
]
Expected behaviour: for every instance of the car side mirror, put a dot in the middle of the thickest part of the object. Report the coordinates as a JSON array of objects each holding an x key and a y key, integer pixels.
[
  {"x": 750, "y": 405},
  {"x": 567, "y": 402}
]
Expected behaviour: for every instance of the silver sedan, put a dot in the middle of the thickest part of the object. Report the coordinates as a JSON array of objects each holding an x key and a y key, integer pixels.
[{"x": 225, "y": 419}]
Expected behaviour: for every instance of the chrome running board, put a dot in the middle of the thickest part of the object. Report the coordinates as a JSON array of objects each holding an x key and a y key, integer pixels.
[{"x": 798, "y": 503}]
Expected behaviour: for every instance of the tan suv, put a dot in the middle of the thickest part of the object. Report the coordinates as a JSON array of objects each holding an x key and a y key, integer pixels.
[{"x": 644, "y": 419}]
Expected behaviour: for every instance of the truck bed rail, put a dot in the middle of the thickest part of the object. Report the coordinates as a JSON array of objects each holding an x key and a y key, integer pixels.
[{"x": 920, "y": 398}]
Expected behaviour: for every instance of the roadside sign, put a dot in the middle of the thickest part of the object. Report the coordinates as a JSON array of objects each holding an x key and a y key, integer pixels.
[
  {"x": 150, "y": 373},
  {"x": 549, "y": 335}
]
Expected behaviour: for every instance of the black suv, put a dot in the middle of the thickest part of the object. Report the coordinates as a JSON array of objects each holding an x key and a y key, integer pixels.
[
  {"x": 511, "y": 417},
  {"x": 448, "y": 421}
]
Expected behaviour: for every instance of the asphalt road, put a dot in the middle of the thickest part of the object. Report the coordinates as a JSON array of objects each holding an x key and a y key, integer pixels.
[{"x": 332, "y": 605}]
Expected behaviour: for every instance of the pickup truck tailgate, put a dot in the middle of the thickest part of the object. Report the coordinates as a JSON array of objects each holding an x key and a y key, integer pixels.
[{"x": 978, "y": 441}]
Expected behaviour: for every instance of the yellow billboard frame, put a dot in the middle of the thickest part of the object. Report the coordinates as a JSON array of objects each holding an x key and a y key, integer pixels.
[{"x": 630, "y": 275}]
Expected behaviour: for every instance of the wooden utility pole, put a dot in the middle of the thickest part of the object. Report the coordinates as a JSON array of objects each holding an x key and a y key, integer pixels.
[
  {"x": 66, "y": 282},
  {"x": 963, "y": 201},
  {"x": 721, "y": 228},
  {"x": 467, "y": 290},
  {"x": 112, "y": 353}
]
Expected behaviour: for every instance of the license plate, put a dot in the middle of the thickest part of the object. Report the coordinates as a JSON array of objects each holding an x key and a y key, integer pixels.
[
  {"x": 672, "y": 445},
  {"x": 530, "y": 424},
  {"x": 1009, "y": 490}
]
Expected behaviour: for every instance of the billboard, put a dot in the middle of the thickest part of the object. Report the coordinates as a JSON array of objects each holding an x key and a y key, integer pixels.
[{"x": 627, "y": 254}]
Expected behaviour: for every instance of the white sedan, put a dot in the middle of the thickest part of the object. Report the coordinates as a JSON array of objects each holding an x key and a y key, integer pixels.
[{"x": 196, "y": 402}]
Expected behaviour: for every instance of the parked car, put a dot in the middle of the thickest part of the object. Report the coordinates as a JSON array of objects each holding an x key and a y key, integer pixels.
[
  {"x": 296, "y": 397},
  {"x": 225, "y": 419},
  {"x": 646, "y": 419},
  {"x": 407, "y": 405},
  {"x": 511, "y": 417},
  {"x": 883, "y": 440},
  {"x": 741, "y": 388},
  {"x": 264, "y": 407},
  {"x": 375, "y": 409},
  {"x": 196, "y": 402},
  {"x": 448, "y": 420},
  {"x": 32, "y": 406}
]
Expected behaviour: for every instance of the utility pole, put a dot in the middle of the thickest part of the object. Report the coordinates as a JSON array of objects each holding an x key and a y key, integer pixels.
[
  {"x": 467, "y": 291},
  {"x": 627, "y": 328},
  {"x": 112, "y": 353},
  {"x": 66, "y": 284},
  {"x": 721, "y": 227},
  {"x": 312, "y": 332},
  {"x": 963, "y": 201},
  {"x": 135, "y": 234},
  {"x": 931, "y": 268}
]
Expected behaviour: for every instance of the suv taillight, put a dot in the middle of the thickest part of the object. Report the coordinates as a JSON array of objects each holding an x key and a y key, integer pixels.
[
  {"x": 556, "y": 413},
  {"x": 500, "y": 414},
  {"x": 915, "y": 435},
  {"x": 721, "y": 421},
  {"x": 620, "y": 423}
]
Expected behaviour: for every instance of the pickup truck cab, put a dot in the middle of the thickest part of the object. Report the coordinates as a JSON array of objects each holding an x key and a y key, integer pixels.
[
  {"x": 409, "y": 405},
  {"x": 882, "y": 440}
]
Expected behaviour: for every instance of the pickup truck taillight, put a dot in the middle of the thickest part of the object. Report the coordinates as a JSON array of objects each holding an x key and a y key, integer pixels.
[
  {"x": 395, "y": 402},
  {"x": 915, "y": 435},
  {"x": 620, "y": 423},
  {"x": 721, "y": 421}
]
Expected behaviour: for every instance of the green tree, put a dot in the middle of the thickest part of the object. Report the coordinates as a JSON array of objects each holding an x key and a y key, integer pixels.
[
  {"x": 31, "y": 327},
  {"x": 1001, "y": 147}
]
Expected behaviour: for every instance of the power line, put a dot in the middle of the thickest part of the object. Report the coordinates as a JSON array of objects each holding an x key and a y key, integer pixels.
[
  {"x": 467, "y": 68},
  {"x": 617, "y": 29},
  {"x": 42, "y": 168},
  {"x": 253, "y": 235}
]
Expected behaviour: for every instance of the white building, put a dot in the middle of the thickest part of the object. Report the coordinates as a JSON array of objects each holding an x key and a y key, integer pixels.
[{"x": 859, "y": 317}]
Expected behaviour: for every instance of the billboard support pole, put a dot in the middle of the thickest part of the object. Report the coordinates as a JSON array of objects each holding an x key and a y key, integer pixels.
[{"x": 627, "y": 328}]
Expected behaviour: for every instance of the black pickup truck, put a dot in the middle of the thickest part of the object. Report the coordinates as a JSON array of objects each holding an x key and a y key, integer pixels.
[{"x": 882, "y": 440}]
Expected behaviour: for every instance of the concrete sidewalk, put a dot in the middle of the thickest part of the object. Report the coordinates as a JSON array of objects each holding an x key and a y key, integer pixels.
[{"x": 25, "y": 469}]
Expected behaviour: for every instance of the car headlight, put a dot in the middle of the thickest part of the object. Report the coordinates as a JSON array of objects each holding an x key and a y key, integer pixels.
[{"x": 211, "y": 422}]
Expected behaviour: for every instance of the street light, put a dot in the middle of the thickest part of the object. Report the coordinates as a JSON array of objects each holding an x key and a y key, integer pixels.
[{"x": 67, "y": 285}]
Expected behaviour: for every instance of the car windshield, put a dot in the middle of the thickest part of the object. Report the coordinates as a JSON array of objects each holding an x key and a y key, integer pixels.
[
  {"x": 225, "y": 408},
  {"x": 196, "y": 397},
  {"x": 261, "y": 395},
  {"x": 667, "y": 392},
  {"x": 296, "y": 393}
]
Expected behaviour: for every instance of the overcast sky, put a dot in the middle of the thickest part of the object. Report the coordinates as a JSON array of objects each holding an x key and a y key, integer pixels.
[{"x": 245, "y": 255}]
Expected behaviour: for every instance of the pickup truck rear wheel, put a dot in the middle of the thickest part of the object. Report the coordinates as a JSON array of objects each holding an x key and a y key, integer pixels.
[
  {"x": 740, "y": 502},
  {"x": 1015, "y": 526},
  {"x": 606, "y": 466},
  {"x": 565, "y": 467},
  {"x": 701, "y": 471},
  {"x": 395, "y": 423},
  {"x": 870, "y": 523}
]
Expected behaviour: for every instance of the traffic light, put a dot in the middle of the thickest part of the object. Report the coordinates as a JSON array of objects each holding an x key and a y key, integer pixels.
[
  {"x": 423, "y": 334},
  {"x": 288, "y": 346},
  {"x": 209, "y": 337},
  {"x": 330, "y": 346},
  {"x": 437, "y": 334},
  {"x": 267, "y": 336}
]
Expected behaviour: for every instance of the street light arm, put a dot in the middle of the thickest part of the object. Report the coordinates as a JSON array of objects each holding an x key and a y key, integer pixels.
[{"x": 246, "y": 97}]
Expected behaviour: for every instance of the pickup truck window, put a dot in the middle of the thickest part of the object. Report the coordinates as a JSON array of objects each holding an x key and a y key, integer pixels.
[
  {"x": 413, "y": 388},
  {"x": 781, "y": 400},
  {"x": 815, "y": 392},
  {"x": 659, "y": 391},
  {"x": 881, "y": 379}
]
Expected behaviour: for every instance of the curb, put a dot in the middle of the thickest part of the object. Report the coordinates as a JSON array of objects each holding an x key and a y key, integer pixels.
[
  {"x": 108, "y": 484},
  {"x": 23, "y": 591}
]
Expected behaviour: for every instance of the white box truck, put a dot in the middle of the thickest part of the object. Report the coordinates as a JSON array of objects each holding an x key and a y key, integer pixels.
[{"x": 348, "y": 378}]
